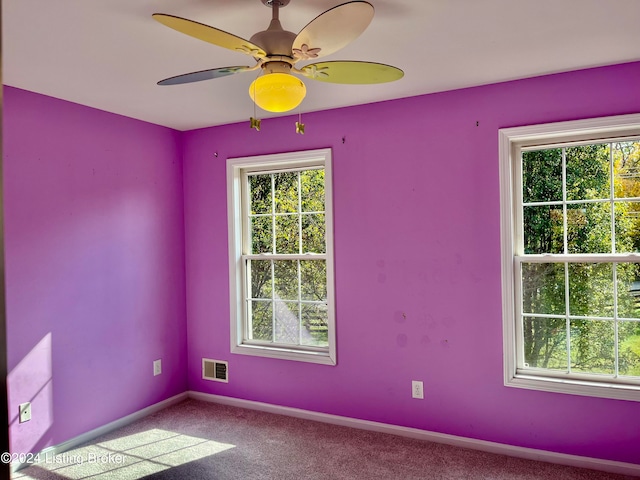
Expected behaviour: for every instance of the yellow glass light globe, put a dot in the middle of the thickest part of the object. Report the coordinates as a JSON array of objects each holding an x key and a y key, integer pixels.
[{"x": 277, "y": 92}]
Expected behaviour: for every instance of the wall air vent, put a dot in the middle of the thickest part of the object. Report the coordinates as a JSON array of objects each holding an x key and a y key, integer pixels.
[{"x": 215, "y": 370}]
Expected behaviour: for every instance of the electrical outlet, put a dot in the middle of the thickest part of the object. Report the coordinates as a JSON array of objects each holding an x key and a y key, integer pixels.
[
  {"x": 25, "y": 412},
  {"x": 157, "y": 367},
  {"x": 417, "y": 389}
]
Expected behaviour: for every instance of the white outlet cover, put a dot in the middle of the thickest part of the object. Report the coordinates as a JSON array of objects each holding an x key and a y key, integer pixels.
[
  {"x": 157, "y": 367},
  {"x": 417, "y": 389},
  {"x": 25, "y": 412}
]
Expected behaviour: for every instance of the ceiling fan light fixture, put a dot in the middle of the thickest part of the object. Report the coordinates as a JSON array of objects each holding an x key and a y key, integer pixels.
[{"x": 277, "y": 92}]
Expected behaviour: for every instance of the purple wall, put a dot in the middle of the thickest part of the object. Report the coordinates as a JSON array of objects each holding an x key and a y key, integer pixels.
[
  {"x": 96, "y": 237},
  {"x": 94, "y": 264},
  {"x": 417, "y": 256}
]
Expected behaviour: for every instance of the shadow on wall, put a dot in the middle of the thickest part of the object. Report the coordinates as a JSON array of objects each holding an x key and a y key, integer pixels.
[{"x": 31, "y": 381}]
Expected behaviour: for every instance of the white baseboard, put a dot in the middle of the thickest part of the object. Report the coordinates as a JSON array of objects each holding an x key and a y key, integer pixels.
[
  {"x": 109, "y": 427},
  {"x": 483, "y": 445}
]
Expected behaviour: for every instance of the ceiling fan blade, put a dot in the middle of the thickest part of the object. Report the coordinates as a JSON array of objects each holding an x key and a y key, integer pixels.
[
  {"x": 332, "y": 30},
  {"x": 349, "y": 72},
  {"x": 210, "y": 34},
  {"x": 204, "y": 75}
]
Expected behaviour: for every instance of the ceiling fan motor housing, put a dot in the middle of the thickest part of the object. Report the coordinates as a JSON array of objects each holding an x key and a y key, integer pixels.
[
  {"x": 276, "y": 66},
  {"x": 275, "y": 40}
]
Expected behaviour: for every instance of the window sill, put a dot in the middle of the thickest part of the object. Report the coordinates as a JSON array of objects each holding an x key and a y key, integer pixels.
[
  {"x": 616, "y": 391},
  {"x": 322, "y": 358}
]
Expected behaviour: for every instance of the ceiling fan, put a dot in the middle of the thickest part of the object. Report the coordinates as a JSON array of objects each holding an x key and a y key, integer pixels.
[{"x": 277, "y": 51}]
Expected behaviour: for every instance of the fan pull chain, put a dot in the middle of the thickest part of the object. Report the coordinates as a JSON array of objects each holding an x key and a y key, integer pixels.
[
  {"x": 299, "y": 124},
  {"x": 255, "y": 121}
]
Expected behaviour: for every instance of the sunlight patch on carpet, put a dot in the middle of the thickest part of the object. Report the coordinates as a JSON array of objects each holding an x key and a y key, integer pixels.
[{"x": 128, "y": 458}]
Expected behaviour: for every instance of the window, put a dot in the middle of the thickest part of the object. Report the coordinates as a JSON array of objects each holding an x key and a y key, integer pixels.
[
  {"x": 281, "y": 256},
  {"x": 570, "y": 218}
]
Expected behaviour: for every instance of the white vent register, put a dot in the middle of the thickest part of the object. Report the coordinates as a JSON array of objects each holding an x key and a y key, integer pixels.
[{"x": 215, "y": 370}]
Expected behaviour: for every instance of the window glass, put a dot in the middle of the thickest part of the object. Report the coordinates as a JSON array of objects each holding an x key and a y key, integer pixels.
[
  {"x": 573, "y": 263},
  {"x": 280, "y": 256}
]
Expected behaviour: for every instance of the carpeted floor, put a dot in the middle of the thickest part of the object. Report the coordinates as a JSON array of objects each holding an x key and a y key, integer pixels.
[{"x": 197, "y": 440}]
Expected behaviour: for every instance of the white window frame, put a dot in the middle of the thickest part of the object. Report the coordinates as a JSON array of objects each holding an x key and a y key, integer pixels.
[
  {"x": 511, "y": 142},
  {"x": 236, "y": 171}
]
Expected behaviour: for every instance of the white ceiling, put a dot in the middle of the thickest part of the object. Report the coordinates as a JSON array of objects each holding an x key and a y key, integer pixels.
[{"x": 109, "y": 54}]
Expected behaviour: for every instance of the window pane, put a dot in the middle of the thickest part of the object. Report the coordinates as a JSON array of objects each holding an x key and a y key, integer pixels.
[
  {"x": 591, "y": 289},
  {"x": 287, "y": 323},
  {"x": 626, "y": 161},
  {"x": 627, "y": 227},
  {"x": 314, "y": 280},
  {"x": 543, "y": 288},
  {"x": 261, "y": 320},
  {"x": 313, "y": 233},
  {"x": 542, "y": 175},
  {"x": 287, "y": 238},
  {"x": 312, "y": 183},
  {"x": 572, "y": 242},
  {"x": 589, "y": 228},
  {"x": 261, "y": 235},
  {"x": 286, "y": 279},
  {"x": 286, "y": 192},
  {"x": 543, "y": 227},
  {"x": 260, "y": 278},
  {"x": 260, "y": 193},
  {"x": 588, "y": 172},
  {"x": 592, "y": 348},
  {"x": 545, "y": 343},
  {"x": 314, "y": 324},
  {"x": 629, "y": 348},
  {"x": 628, "y": 282},
  {"x": 278, "y": 243}
]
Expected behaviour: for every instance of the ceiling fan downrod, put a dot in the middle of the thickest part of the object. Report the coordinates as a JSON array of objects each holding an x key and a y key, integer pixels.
[{"x": 275, "y": 40}]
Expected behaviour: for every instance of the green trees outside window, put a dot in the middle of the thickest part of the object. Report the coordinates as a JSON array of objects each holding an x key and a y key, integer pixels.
[
  {"x": 287, "y": 295},
  {"x": 577, "y": 316}
]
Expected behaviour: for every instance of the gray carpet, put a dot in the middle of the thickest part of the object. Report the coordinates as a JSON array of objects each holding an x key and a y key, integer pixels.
[{"x": 198, "y": 440}]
